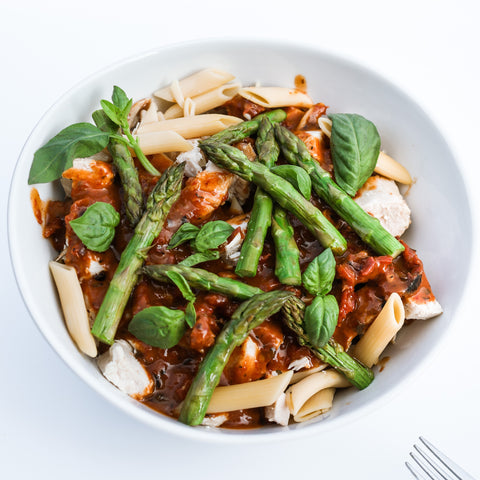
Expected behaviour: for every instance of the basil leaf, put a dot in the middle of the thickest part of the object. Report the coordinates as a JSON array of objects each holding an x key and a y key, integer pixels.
[
  {"x": 182, "y": 284},
  {"x": 158, "y": 326},
  {"x": 186, "y": 232},
  {"x": 319, "y": 275},
  {"x": 190, "y": 314},
  {"x": 297, "y": 176},
  {"x": 113, "y": 112},
  {"x": 355, "y": 145},
  {"x": 120, "y": 100},
  {"x": 79, "y": 140},
  {"x": 212, "y": 234},
  {"x": 197, "y": 258},
  {"x": 103, "y": 122},
  {"x": 320, "y": 320},
  {"x": 96, "y": 227}
]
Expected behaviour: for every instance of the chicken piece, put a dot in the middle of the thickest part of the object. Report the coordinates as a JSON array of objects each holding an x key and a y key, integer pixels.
[
  {"x": 231, "y": 251},
  {"x": 135, "y": 112},
  {"x": 120, "y": 367},
  {"x": 422, "y": 311},
  {"x": 243, "y": 365},
  {"x": 88, "y": 171},
  {"x": 194, "y": 159},
  {"x": 279, "y": 411},
  {"x": 381, "y": 198}
]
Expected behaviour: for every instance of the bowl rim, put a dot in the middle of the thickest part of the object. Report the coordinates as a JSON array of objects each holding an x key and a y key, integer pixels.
[{"x": 275, "y": 433}]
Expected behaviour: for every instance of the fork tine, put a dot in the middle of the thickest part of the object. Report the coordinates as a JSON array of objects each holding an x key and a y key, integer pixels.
[
  {"x": 423, "y": 465},
  {"x": 433, "y": 464},
  {"x": 414, "y": 471},
  {"x": 455, "y": 469}
]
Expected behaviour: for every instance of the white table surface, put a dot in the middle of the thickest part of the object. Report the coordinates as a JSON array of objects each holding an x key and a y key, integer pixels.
[{"x": 54, "y": 426}]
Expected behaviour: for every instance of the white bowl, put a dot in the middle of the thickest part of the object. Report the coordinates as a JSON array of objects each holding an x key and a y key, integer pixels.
[{"x": 407, "y": 134}]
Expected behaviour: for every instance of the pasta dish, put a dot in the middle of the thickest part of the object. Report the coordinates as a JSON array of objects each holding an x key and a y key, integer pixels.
[{"x": 230, "y": 255}]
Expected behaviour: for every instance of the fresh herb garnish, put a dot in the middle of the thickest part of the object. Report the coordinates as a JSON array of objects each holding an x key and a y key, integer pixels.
[
  {"x": 320, "y": 273},
  {"x": 200, "y": 257},
  {"x": 186, "y": 232},
  {"x": 320, "y": 320},
  {"x": 82, "y": 140},
  {"x": 355, "y": 145},
  {"x": 158, "y": 326},
  {"x": 96, "y": 227},
  {"x": 297, "y": 176},
  {"x": 184, "y": 287},
  {"x": 212, "y": 235}
]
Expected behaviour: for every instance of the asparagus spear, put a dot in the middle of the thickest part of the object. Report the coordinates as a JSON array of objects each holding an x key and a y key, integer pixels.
[
  {"x": 287, "y": 255},
  {"x": 132, "y": 190},
  {"x": 367, "y": 227},
  {"x": 332, "y": 353},
  {"x": 250, "y": 314},
  {"x": 260, "y": 218},
  {"x": 163, "y": 196},
  {"x": 279, "y": 189},
  {"x": 203, "y": 280},
  {"x": 246, "y": 129}
]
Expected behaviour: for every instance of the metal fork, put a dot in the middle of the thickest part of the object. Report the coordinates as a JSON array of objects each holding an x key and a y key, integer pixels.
[{"x": 434, "y": 464}]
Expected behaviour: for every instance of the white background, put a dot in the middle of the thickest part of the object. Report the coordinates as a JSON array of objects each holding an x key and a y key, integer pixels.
[{"x": 51, "y": 424}]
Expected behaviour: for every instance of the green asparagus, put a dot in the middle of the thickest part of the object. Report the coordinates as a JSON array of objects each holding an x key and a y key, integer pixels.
[
  {"x": 279, "y": 189},
  {"x": 250, "y": 314},
  {"x": 287, "y": 255},
  {"x": 246, "y": 129},
  {"x": 132, "y": 190},
  {"x": 203, "y": 280},
  {"x": 332, "y": 353},
  {"x": 367, "y": 227},
  {"x": 260, "y": 218},
  {"x": 163, "y": 196}
]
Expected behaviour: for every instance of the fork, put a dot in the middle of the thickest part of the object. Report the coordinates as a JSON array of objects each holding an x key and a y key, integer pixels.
[{"x": 434, "y": 464}]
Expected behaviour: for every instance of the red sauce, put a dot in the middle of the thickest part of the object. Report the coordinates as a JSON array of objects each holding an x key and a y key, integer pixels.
[{"x": 363, "y": 281}]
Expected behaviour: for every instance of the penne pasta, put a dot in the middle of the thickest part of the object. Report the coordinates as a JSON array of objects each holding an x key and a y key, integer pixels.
[
  {"x": 73, "y": 306},
  {"x": 297, "y": 376},
  {"x": 273, "y": 97},
  {"x": 325, "y": 125},
  {"x": 316, "y": 405},
  {"x": 177, "y": 93},
  {"x": 300, "y": 392},
  {"x": 192, "y": 127},
  {"x": 162, "y": 141},
  {"x": 390, "y": 168},
  {"x": 260, "y": 393},
  {"x": 149, "y": 115},
  {"x": 379, "y": 334},
  {"x": 196, "y": 84},
  {"x": 206, "y": 101}
]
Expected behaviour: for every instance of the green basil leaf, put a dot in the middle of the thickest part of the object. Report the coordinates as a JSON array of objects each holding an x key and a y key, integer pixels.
[
  {"x": 319, "y": 275},
  {"x": 186, "y": 232},
  {"x": 197, "y": 258},
  {"x": 190, "y": 314},
  {"x": 158, "y": 326},
  {"x": 103, "y": 122},
  {"x": 113, "y": 112},
  {"x": 182, "y": 284},
  {"x": 79, "y": 140},
  {"x": 212, "y": 234},
  {"x": 96, "y": 227},
  {"x": 355, "y": 145},
  {"x": 120, "y": 99},
  {"x": 320, "y": 320},
  {"x": 297, "y": 176}
]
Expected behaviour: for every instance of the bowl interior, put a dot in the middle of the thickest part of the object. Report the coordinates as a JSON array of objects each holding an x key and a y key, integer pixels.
[{"x": 407, "y": 134}]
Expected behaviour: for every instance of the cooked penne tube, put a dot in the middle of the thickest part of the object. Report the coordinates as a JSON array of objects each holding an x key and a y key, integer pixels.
[
  {"x": 196, "y": 84},
  {"x": 325, "y": 125},
  {"x": 206, "y": 101},
  {"x": 273, "y": 97},
  {"x": 381, "y": 331},
  {"x": 162, "y": 141},
  {"x": 300, "y": 392},
  {"x": 149, "y": 115},
  {"x": 390, "y": 168},
  {"x": 260, "y": 393},
  {"x": 316, "y": 405},
  {"x": 73, "y": 306},
  {"x": 297, "y": 376},
  {"x": 192, "y": 127}
]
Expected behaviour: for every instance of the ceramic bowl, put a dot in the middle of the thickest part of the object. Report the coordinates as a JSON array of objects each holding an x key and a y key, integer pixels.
[{"x": 407, "y": 134}]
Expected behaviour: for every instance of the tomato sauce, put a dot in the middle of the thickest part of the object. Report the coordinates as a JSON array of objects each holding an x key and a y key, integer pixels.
[{"x": 363, "y": 282}]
